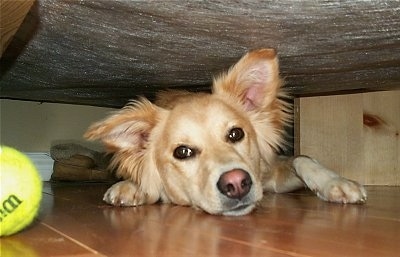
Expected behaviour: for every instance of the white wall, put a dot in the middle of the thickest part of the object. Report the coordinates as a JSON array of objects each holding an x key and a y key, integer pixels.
[{"x": 34, "y": 127}]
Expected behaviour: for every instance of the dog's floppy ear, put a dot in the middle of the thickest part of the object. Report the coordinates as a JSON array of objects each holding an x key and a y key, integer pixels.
[
  {"x": 128, "y": 133},
  {"x": 127, "y": 129},
  {"x": 254, "y": 80}
]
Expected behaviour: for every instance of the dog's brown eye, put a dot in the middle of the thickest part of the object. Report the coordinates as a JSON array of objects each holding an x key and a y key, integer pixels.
[
  {"x": 235, "y": 135},
  {"x": 183, "y": 152}
]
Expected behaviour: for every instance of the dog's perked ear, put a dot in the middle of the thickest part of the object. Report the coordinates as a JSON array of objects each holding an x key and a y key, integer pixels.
[
  {"x": 128, "y": 128},
  {"x": 254, "y": 80},
  {"x": 254, "y": 83}
]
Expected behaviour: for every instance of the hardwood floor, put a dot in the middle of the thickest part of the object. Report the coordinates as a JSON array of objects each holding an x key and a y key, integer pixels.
[{"x": 73, "y": 221}]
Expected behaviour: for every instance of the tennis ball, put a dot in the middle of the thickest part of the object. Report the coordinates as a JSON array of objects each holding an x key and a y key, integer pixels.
[{"x": 21, "y": 191}]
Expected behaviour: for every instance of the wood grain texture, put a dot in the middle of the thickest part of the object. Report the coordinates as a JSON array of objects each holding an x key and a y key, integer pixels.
[
  {"x": 356, "y": 135},
  {"x": 12, "y": 13},
  {"x": 73, "y": 221},
  {"x": 103, "y": 52}
]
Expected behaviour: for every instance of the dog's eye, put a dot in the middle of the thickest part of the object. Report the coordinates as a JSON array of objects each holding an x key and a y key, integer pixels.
[
  {"x": 235, "y": 135},
  {"x": 183, "y": 152}
]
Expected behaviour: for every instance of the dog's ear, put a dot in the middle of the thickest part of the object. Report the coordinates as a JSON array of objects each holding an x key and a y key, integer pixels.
[
  {"x": 127, "y": 129},
  {"x": 254, "y": 80},
  {"x": 128, "y": 133}
]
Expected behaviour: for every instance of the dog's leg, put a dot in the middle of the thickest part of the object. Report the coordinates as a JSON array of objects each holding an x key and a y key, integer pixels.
[
  {"x": 281, "y": 176},
  {"x": 126, "y": 193},
  {"x": 328, "y": 185},
  {"x": 290, "y": 173}
]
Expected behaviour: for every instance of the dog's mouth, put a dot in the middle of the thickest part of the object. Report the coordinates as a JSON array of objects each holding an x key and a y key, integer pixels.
[{"x": 239, "y": 210}]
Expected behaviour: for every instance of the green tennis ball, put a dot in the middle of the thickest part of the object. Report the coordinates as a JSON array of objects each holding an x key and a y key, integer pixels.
[{"x": 21, "y": 191}]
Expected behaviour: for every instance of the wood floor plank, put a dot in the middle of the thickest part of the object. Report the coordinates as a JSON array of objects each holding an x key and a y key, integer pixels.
[
  {"x": 141, "y": 231},
  {"x": 39, "y": 240},
  {"x": 297, "y": 224}
]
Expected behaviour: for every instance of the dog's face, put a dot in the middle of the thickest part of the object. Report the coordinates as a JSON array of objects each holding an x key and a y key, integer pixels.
[
  {"x": 202, "y": 150},
  {"x": 207, "y": 156}
]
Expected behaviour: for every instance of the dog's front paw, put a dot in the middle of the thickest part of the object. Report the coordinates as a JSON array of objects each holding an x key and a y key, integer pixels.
[
  {"x": 124, "y": 193},
  {"x": 341, "y": 190}
]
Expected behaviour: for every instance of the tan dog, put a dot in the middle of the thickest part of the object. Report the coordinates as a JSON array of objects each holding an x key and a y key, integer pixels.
[{"x": 216, "y": 152}]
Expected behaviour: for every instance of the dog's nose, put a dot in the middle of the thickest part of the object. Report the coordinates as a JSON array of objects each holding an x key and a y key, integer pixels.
[{"x": 235, "y": 183}]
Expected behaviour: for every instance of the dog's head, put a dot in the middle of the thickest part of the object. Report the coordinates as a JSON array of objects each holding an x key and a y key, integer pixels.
[{"x": 203, "y": 150}]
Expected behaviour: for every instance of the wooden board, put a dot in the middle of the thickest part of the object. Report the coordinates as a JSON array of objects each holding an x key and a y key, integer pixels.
[
  {"x": 104, "y": 52},
  {"x": 357, "y": 135},
  {"x": 12, "y": 13},
  {"x": 73, "y": 221}
]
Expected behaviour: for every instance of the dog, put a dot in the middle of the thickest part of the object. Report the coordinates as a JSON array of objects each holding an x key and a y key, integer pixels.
[{"x": 214, "y": 151}]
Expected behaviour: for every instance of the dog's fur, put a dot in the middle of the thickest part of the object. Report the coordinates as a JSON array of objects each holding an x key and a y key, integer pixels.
[{"x": 215, "y": 152}]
